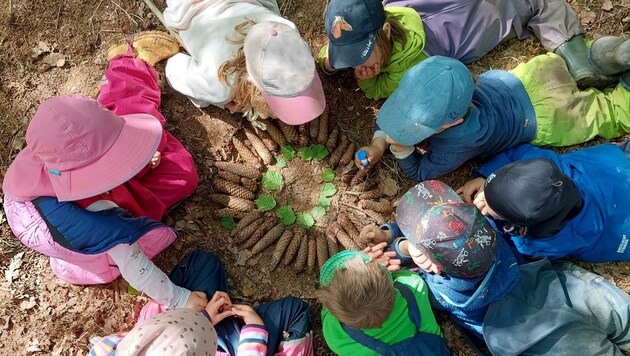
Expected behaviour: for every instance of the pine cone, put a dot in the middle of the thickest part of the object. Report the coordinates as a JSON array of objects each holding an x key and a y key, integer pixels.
[
  {"x": 348, "y": 155},
  {"x": 233, "y": 202},
  {"x": 290, "y": 132},
  {"x": 322, "y": 135},
  {"x": 270, "y": 237},
  {"x": 372, "y": 194},
  {"x": 302, "y": 135},
  {"x": 331, "y": 143},
  {"x": 246, "y": 154},
  {"x": 383, "y": 207},
  {"x": 302, "y": 254},
  {"x": 227, "y": 213},
  {"x": 230, "y": 188},
  {"x": 312, "y": 253},
  {"x": 268, "y": 141},
  {"x": 378, "y": 218},
  {"x": 348, "y": 227},
  {"x": 333, "y": 248},
  {"x": 358, "y": 177},
  {"x": 276, "y": 134},
  {"x": 242, "y": 170},
  {"x": 259, "y": 146},
  {"x": 313, "y": 129},
  {"x": 281, "y": 247},
  {"x": 244, "y": 233},
  {"x": 292, "y": 249},
  {"x": 265, "y": 227},
  {"x": 366, "y": 185},
  {"x": 322, "y": 251},
  {"x": 234, "y": 178},
  {"x": 246, "y": 220},
  {"x": 346, "y": 241},
  {"x": 250, "y": 184},
  {"x": 335, "y": 156}
]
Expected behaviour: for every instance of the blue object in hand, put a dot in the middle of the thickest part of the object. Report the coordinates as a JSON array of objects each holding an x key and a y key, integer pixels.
[{"x": 362, "y": 156}]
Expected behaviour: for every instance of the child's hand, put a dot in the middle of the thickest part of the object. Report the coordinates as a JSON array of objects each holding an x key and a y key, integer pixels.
[
  {"x": 378, "y": 254},
  {"x": 481, "y": 204},
  {"x": 247, "y": 313},
  {"x": 471, "y": 189},
  {"x": 196, "y": 300},
  {"x": 219, "y": 308},
  {"x": 364, "y": 72},
  {"x": 374, "y": 154},
  {"x": 156, "y": 159},
  {"x": 372, "y": 234},
  {"x": 423, "y": 261}
]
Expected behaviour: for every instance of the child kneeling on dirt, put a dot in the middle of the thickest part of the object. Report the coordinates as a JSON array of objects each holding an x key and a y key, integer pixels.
[
  {"x": 537, "y": 102},
  {"x": 574, "y": 204},
  {"x": 485, "y": 286},
  {"x": 280, "y": 327},
  {"x": 368, "y": 310},
  {"x": 96, "y": 177}
]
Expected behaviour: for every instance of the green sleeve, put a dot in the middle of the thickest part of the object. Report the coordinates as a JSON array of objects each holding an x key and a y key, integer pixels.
[
  {"x": 321, "y": 58},
  {"x": 381, "y": 86}
]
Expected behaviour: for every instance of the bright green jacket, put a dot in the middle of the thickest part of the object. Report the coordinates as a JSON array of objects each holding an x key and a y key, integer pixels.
[
  {"x": 402, "y": 59},
  {"x": 396, "y": 328}
]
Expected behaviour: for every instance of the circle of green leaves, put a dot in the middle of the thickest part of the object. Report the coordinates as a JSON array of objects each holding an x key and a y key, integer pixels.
[{"x": 272, "y": 181}]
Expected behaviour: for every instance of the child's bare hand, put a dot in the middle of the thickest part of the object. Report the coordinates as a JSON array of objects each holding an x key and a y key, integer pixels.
[
  {"x": 372, "y": 234},
  {"x": 365, "y": 72},
  {"x": 196, "y": 300},
  {"x": 481, "y": 204},
  {"x": 219, "y": 307},
  {"x": 423, "y": 261},
  {"x": 471, "y": 189},
  {"x": 247, "y": 313},
  {"x": 377, "y": 253},
  {"x": 156, "y": 159},
  {"x": 374, "y": 154}
]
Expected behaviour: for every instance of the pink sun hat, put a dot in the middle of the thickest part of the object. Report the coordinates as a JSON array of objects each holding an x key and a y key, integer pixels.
[
  {"x": 76, "y": 148},
  {"x": 281, "y": 65}
]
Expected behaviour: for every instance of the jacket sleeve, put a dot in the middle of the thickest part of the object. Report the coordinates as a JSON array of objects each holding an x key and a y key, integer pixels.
[
  {"x": 253, "y": 341},
  {"x": 518, "y": 153},
  {"x": 381, "y": 86},
  {"x": 143, "y": 275},
  {"x": 431, "y": 165}
]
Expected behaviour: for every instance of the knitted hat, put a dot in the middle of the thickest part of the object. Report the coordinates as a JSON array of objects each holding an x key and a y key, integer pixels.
[
  {"x": 435, "y": 92},
  {"x": 453, "y": 234},
  {"x": 351, "y": 26},
  {"x": 336, "y": 262}
]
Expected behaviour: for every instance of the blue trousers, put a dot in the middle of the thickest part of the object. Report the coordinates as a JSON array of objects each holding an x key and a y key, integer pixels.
[{"x": 203, "y": 271}]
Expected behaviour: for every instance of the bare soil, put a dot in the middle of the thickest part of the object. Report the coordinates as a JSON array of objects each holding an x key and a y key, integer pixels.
[{"x": 58, "y": 47}]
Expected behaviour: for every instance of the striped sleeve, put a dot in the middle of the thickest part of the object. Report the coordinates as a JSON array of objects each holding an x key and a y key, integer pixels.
[{"x": 253, "y": 341}]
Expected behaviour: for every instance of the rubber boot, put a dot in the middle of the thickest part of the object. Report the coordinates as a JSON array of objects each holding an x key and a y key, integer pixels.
[
  {"x": 576, "y": 55},
  {"x": 151, "y": 46},
  {"x": 610, "y": 55}
]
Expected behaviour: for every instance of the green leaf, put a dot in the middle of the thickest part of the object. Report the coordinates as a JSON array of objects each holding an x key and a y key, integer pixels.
[
  {"x": 288, "y": 152},
  {"x": 286, "y": 215},
  {"x": 265, "y": 202},
  {"x": 323, "y": 201},
  {"x": 328, "y": 189},
  {"x": 328, "y": 175},
  {"x": 228, "y": 222},
  {"x": 272, "y": 180},
  {"x": 318, "y": 212},
  {"x": 319, "y": 152},
  {"x": 305, "y": 220},
  {"x": 306, "y": 153},
  {"x": 281, "y": 162}
]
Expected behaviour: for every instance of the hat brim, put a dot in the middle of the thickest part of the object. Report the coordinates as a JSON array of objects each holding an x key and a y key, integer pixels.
[
  {"x": 398, "y": 126},
  {"x": 129, "y": 154},
  {"x": 352, "y": 54},
  {"x": 299, "y": 109},
  {"x": 418, "y": 200}
]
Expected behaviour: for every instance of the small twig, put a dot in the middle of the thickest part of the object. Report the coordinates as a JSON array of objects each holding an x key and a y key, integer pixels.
[
  {"x": 123, "y": 10},
  {"x": 58, "y": 15}
]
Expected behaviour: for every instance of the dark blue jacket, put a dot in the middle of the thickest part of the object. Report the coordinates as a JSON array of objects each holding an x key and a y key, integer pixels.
[
  {"x": 600, "y": 232},
  {"x": 501, "y": 116}
]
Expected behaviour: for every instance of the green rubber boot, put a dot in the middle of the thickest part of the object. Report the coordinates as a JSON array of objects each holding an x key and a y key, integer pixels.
[
  {"x": 610, "y": 55},
  {"x": 586, "y": 75}
]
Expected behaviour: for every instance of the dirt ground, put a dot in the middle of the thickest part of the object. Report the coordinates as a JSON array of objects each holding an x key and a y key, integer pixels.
[{"x": 58, "y": 47}]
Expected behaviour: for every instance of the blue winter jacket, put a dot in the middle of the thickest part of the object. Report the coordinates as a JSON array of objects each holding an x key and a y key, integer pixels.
[
  {"x": 600, "y": 232},
  {"x": 501, "y": 116}
]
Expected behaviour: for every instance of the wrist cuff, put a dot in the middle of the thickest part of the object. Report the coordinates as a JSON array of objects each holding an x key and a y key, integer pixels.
[
  {"x": 399, "y": 255},
  {"x": 402, "y": 154}
]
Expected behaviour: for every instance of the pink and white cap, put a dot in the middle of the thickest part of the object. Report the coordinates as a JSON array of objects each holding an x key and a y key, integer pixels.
[
  {"x": 281, "y": 65},
  {"x": 77, "y": 148}
]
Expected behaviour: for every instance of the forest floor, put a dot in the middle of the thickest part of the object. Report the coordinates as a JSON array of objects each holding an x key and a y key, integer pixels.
[{"x": 58, "y": 47}]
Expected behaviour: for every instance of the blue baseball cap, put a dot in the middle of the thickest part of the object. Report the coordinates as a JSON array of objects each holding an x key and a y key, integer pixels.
[
  {"x": 435, "y": 92},
  {"x": 351, "y": 26}
]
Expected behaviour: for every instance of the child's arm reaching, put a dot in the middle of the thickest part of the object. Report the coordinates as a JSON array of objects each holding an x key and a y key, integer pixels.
[{"x": 253, "y": 339}]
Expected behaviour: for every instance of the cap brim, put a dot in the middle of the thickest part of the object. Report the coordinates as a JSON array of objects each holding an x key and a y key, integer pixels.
[
  {"x": 131, "y": 152},
  {"x": 418, "y": 200},
  {"x": 299, "y": 109},
  {"x": 351, "y": 55},
  {"x": 396, "y": 124}
]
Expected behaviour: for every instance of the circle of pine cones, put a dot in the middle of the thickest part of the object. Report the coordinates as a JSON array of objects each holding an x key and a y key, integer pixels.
[{"x": 236, "y": 184}]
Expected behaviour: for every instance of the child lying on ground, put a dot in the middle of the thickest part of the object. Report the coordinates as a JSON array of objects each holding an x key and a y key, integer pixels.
[
  {"x": 280, "y": 327},
  {"x": 383, "y": 43},
  {"x": 536, "y": 102},
  {"x": 245, "y": 57},
  {"x": 369, "y": 310},
  {"x": 485, "y": 286},
  {"x": 574, "y": 204},
  {"x": 96, "y": 177}
]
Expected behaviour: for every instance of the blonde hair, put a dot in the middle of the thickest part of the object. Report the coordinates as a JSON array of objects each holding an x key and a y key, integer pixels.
[
  {"x": 247, "y": 96},
  {"x": 385, "y": 43},
  {"x": 361, "y": 295}
]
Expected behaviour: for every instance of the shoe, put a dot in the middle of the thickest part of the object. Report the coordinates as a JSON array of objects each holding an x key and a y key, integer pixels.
[
  {"x": 610, "y": 55},
  {"x": 586, "y": 75},
  {"x": 150, "y": 46}
]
